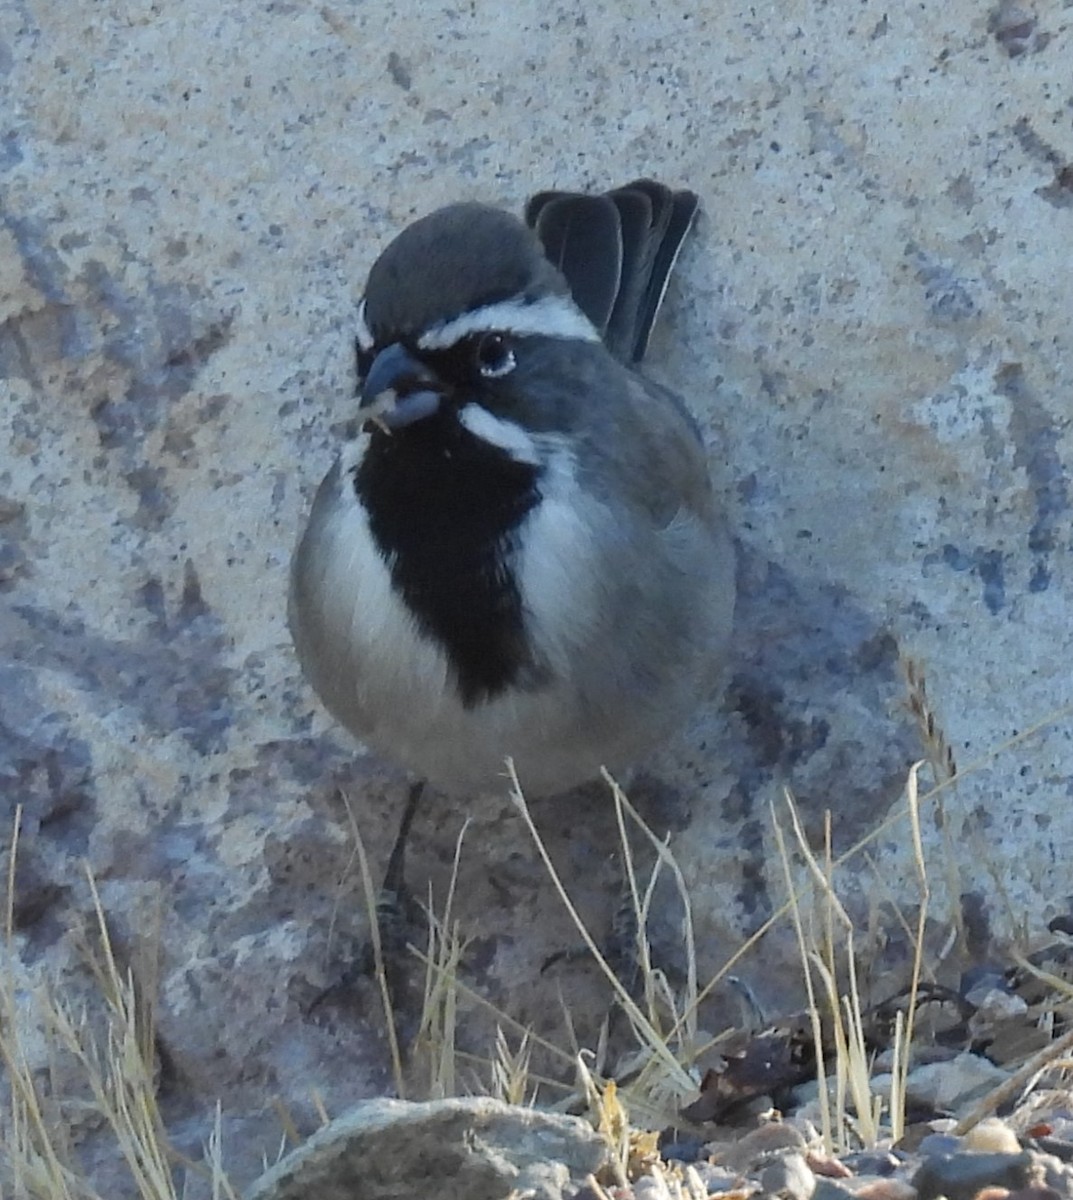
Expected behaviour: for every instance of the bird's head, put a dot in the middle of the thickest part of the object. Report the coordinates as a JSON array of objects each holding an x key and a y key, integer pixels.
[{"x": 462, "y": 323}]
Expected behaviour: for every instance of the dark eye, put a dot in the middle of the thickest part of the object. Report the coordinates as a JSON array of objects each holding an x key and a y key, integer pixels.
[{"x": 493, "y": 356}]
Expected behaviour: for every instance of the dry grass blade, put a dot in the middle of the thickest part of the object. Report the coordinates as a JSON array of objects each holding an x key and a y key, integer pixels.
[
  {"x": 12, "y": 859},
  {"x": 640, "y": 907},
  {"x": 291, "y": 1136},
  {"x": 852, "y": 1068},
  {"x": 904, "y": 1038},
  {"x": 319, "y": 1107},
  {"x": 511, "y": 1080},
  {"x": 1050, "y": 719},
  {"x": 221, "y": 1185},
  {"x": 653, "y": 1094},
  {"x": 436, "y": 1036},
  {"x": 37, "y": 1156},
  {"x": 940, "y": 757},
  {"x": 37, "y": 1162},
  {"x": 600, "y": 1192},
  {"x": 1053, "y": 718},
  {"x": 1021, "y": 1080},
  {"x": 937, "y": 746},
  {"x": 902, "y": 1048},
  {"x": 645, "y": 1028},
  {"x": 687, "y": 1021},
  {"x": 116, "y": 1063},
  {"x": 121, "y": 1085},
  {"x": 484, "y": 1070},
  {"x": 858, "y": 1109},
  {"x": 815, "y": 1020},
  {"x": 379, "y": 968},
  {"x": 1061, "y": 987},
  {"x": 121, "y": 1077},
  {"x": 610, "y": 1118},
  {"x": 479, "y": 1000}
]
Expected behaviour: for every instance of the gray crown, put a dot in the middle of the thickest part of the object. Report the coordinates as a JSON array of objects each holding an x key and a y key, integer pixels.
[{"x": 455, "y": 260}]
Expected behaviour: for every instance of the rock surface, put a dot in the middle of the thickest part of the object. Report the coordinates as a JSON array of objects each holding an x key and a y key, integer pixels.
[
  {"x": 871, "y": 322},
  {"x": 452, "y": 1149}
]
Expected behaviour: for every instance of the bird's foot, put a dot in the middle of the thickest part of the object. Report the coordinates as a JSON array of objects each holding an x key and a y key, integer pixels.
[
  {"x": 621, "y": 949},
  {"x": 399, "y": 922}
]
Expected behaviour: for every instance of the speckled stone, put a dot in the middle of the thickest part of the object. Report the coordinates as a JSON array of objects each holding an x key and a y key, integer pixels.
[
  {"x": 472, "y": 1149},
  {"x": 871, "y": 323},
  {"x": 788, "y": 1177},
  {"x": 993, "y": 1135},
  {"x": 961, "y": 1176}
]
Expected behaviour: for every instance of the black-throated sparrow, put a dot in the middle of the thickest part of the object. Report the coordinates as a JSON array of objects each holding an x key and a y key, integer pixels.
[{"x": 520, "y": 553}]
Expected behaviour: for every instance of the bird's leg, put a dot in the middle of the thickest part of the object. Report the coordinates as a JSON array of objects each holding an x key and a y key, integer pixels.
[
  {"x": 396, "y": 909},
  {"x": 400, "y": 920},
  {"x": 623, "y": 946},
  {"x": 620, "y": 949},
  {"x": 397, "y": 915}
]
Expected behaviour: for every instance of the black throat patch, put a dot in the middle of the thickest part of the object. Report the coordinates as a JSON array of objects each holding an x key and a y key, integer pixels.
[{"x": 444, "y": 507}]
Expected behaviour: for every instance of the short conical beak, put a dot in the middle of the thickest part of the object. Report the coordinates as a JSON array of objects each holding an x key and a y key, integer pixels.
[{"x": 399, "y": 389}]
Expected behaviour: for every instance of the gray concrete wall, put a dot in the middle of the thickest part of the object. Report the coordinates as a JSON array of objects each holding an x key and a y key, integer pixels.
[{"x": 872, "y": 322}]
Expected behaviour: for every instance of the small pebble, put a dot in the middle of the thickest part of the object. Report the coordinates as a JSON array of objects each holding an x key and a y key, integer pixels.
[
  {"x": 1061, "y": 1149},
  {"x": 651, "y": 1187},
  {"x": 806, "y": 1128},
  {"x": 978, "y": 981},
  {"x": 715, "y": 1179},
  {"x": 996, "y": 1004},
  {"x": 885, "y": 1189},
  {"x": 755, "y": 1145},
  {"x": 872, "y": 1162},
  {"x": 1056, "y": 1174},
  {"x": 939, "y": 1143},
  {"x": 994, "y": 1135},
  {"x": 1037, "y": 1191},
  {"x": 830, "y": 1189},
  {"x": 961, "y": 1176},
  {"x": 822, "y": 1164},
  {"x": 918, "y": 1131},
  {"x": 788, "y": 1176},
  {"x": 681, "y": 1148},
  {"x": 944, "y": 1086}
]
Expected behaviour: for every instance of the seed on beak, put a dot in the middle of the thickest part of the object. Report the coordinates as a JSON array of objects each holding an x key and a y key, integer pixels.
[{"x": 375, "y": 410}]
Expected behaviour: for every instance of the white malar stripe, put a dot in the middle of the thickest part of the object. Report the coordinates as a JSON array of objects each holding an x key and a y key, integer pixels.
[
  {"x": 505, "y": 434},
  {"x": 551, "y": 316},
  {"x": 362, "y": 332},
  {"x": 558, "y": 566}
]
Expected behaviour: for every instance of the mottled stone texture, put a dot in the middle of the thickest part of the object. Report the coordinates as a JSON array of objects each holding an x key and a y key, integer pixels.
[
  {"x": 872, "y": 321},
  {"x": 473, "y": 1149}
]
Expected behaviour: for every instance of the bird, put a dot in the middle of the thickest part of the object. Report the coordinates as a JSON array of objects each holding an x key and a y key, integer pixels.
[{"x": 520, "y": 552}]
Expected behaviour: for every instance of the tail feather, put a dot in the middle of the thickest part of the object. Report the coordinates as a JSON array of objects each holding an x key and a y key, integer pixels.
[
  {"x": 617, "y": 253},
  {"x": 676, "y": 220},
  {"x": 582, "y": 236},
  {"x": 640, "y": 217}
]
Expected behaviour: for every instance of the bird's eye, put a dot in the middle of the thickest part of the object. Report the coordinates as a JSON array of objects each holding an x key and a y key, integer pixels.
[{"x": 494, "y": 356}]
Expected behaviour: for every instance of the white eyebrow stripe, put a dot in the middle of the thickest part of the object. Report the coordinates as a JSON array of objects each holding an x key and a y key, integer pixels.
[
  {"x": 362, "y": 332},
  {"x": 550, "y": 316}
]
